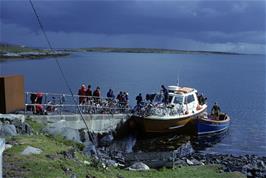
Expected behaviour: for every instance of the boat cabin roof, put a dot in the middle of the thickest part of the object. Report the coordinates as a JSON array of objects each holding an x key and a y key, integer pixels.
[{"x": 180, "y": 90}]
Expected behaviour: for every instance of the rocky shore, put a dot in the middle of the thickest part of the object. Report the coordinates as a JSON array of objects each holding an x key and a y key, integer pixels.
[
  {"x": 109, "y": 152},
  {"x": 112, "y": 153}
]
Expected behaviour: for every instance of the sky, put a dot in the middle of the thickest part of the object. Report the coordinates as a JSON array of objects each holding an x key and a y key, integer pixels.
[{"x": 214, "y": 25}]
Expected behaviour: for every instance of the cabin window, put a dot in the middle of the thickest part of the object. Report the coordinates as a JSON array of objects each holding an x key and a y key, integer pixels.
[
  {"x": 178, "y": 100},
  {"x": 190, "y": 99},
  {"x": 170, "y": 98}
]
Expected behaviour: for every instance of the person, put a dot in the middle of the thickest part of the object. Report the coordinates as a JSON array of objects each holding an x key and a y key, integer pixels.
[
  {"x": 110, "y": 94},
  {"x": 165, "y": 94},
  {"x": 51, "y": 105},
  {"x": 39, "y": 109},
  {"x": 33, "y": 98},
  {"x": 215, "y": 110},
  {"x": 202, "y": 99},
  {"x": 82, "y": 93},
  {"x": 119, "y": 97},
  {"x": 139, "y": 99},
  {"x": 147, "y": 98},
  {"x": 97, "y": 94},
  {"x": 39, "y": 96},
  {"x": 126, "y": 98},
  {"x": 89, "y": 93}
]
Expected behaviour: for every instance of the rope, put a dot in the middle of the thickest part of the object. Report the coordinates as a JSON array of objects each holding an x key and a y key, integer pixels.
[{"x": 61, "y": 70}]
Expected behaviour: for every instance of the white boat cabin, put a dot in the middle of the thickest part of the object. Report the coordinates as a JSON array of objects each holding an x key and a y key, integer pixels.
[{"x": 184, "y": 100}]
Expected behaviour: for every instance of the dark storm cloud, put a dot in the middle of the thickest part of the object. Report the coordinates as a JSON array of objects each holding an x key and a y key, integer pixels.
[
  {"x": 138, "y": 17},
  {"x": 202, "y": 21}
]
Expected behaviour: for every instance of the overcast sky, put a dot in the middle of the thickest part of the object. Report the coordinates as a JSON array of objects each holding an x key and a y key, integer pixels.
[{"x": 233, "y": 26}]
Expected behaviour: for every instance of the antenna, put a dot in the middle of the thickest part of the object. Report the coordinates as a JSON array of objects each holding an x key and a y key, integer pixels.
[{"x": 178, "y": 80}]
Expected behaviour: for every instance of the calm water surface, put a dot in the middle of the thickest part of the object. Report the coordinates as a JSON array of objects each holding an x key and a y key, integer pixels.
[{"x": 236, "y": 82}]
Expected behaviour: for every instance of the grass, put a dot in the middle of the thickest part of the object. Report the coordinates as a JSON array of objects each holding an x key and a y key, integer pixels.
[{"x": 52, "y": 163}]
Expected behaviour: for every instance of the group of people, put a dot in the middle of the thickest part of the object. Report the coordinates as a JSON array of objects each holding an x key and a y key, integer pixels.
[
  {"x": 149, "y": 97},
  {"x": 86, "y": 94}
]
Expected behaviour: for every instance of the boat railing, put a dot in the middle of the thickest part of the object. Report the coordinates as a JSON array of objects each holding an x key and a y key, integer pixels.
[{"x": 54, "y": 103}]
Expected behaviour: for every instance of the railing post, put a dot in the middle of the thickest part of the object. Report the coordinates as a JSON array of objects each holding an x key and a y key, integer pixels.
[
  {"x": 26, "y": 99},
  {"x": 60, "y": 109},
  {"x": 45, "y": 98},
  {"x": 25, "y": 109}
]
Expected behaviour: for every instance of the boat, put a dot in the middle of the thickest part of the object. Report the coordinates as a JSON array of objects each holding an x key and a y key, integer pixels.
[
  {"x": 183, "y": 107},
  {"x": 212, "y": 124}
]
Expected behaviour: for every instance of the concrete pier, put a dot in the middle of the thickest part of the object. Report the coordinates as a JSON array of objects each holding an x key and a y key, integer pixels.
[{"x": 98, "y": 123}]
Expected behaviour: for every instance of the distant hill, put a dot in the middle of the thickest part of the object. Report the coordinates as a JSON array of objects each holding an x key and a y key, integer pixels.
[
  {"x": 149, "y": 50},
  {"x": 8, "y": 51},
  {"x": 5, "y": 47}
]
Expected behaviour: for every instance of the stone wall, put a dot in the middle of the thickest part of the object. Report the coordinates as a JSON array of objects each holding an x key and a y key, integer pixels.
[{"x": 98, "y": 123}]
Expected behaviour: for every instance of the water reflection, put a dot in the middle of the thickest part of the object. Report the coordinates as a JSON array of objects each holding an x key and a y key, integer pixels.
[
  {"x": 201, "y": 143},
  {"x": 171, "y": 142}
]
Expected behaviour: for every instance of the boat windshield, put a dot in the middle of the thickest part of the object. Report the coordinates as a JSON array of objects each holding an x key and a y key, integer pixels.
[
  {"x": 178, "y": 99},
  {"x": 170, "y": 98},
  {"x": 158, "y": 98}
]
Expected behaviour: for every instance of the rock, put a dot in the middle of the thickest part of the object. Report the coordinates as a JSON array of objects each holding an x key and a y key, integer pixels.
[
  {"x": 7, "y": 146},
  {"x": 31, "y": 150},
  {"x": 261, "y": 164},
  {"x": 111, "y": 163},
  {"x": 7, "y": 130},
  {"x": 86, "y": 162},
  {"x": 89, "y": 149},
  {"x": 66, "y": 132},
  {"x": 83, "y": 133},
  {"x": 189, "y": 162},
  {"x": 180, "y": 162},
  {"x": 73, "y": 176},
  {"x": 103, "y": 165},
  {"x": 184, "y": 150},
  {"x": 246, "y": 168},
  {"x": 69, "y": 154},
  {"x": 106, "y": 140},
  {"x": 138, "y": 166},
  {"x": 196, "y": 162},
  {"x": 119, "y": 176},
  {"x": 23, "y": 128},
  {"x": 12, "y": 117},
  {"x": 119, "y": 157}
]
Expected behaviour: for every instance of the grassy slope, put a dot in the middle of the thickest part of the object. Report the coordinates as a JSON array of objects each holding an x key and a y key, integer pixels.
[{"x": 50, "y": 163}]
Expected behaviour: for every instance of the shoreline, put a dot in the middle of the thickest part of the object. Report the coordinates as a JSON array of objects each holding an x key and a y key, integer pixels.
[
  {"x": 10, "y": 52},
  {"x": 4, "y": 58},
  {"x": 149, "y": 50}
]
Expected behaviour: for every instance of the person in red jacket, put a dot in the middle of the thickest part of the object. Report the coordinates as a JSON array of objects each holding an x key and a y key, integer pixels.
[{"x": 82, "y": 93}]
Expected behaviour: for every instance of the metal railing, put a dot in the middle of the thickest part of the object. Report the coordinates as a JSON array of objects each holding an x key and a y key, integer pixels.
[{"x": 54, "y": 103}]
